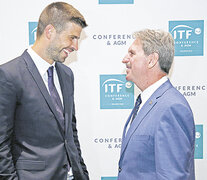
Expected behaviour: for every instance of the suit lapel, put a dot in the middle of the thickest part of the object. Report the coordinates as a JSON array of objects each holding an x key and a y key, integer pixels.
[
  {"x": 147, "y": 107},
  {"x": 41, "y": 85},
  {"x": 65, "y": 84},
  {"x": 139, "y": 118},
  {"x": 126, "y": 125}
]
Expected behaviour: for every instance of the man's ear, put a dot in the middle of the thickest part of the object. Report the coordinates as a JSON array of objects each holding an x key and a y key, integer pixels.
[
  {"x": 152, "y": 60},
  {"x": 49, "y": 31}
]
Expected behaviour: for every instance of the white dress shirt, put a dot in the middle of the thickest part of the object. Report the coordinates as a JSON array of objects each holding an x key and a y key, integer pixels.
[
  {"x": 42, "y": 67},
  {"x": 145, "y": 95}
]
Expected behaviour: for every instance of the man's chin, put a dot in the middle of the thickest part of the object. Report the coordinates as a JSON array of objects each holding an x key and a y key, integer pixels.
[
  {"x": 62, "y": 60},
  {"x": 128, "y": 78}
]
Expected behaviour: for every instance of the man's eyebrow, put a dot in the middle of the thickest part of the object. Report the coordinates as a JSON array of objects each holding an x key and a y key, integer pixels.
[{"x": 74, "y": 36}]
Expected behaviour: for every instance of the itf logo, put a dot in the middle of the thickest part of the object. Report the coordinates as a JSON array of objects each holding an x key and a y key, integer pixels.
[
  {"x": 108, "y": 178},
  {"x": 116, "y": 1},
  {"x": 116, "y": 92},
  {"x": 199, "y": 142},
  {"x": 32, "y": 32},
  {"x": 188, "y": 36}
]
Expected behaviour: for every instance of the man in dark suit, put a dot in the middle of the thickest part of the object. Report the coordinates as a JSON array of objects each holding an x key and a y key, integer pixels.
[
  {"x": 158, "y": 138},
  {"x": 38, "y": 135}
]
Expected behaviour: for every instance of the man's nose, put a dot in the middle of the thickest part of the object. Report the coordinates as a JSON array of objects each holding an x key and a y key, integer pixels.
[
  {"x": 126, "y": 59},
  {"x": 75, "y": 44}
]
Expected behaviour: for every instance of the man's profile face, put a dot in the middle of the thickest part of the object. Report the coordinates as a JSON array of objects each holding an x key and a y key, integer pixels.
[
  {"x": 136, "y": 63},
  {"x": 64, "y": 42}
]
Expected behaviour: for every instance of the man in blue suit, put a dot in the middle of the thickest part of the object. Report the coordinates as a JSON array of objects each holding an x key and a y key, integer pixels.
[
  {"x": 38, "y": 135},
  {"x": 158, "y": 138}
]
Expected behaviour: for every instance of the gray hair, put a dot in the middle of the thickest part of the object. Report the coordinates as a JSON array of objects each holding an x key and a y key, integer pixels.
[{"x": 160, "y": 42}]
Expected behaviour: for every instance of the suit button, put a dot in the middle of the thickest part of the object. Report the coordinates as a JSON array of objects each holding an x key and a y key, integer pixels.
[
  {"x": 65, "y": 166},
  {"x": 120, "y": 169}
]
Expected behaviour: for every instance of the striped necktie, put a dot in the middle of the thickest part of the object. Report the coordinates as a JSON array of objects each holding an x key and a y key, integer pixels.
[
  {"x": 54, "y": 95},
  {"x": 136, "y": 107}
]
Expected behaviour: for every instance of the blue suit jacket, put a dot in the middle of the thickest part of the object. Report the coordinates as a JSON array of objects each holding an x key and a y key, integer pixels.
[{"x": 159, "y": 144}]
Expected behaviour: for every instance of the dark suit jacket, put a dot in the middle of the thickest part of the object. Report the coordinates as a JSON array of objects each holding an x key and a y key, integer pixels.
[{"x": 33, "y": 144}]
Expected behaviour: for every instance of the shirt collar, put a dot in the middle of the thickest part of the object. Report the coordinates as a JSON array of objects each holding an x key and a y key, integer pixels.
[
  {"x": 40, "y": 63},
  {"x": 145, "y": 95}
]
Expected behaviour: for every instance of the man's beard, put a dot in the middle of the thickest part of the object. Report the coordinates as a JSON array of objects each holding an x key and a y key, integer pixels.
[{"x": 54, "y": 54}]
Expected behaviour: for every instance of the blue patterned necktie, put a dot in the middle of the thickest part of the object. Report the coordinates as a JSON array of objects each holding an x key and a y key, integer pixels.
[
  {"x": 54, "y": 95},
  {"x": 136, "y": 107}
]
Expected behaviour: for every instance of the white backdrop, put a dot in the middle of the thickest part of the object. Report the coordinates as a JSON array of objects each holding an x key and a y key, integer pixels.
[{"x": 100, "y": 130}]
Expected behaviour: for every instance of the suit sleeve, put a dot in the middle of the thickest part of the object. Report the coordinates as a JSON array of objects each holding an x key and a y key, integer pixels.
[
  {"x": 174, "y": 144},
  {"x": 7, "y": 109},
  {"x": 75, "y": 136}
]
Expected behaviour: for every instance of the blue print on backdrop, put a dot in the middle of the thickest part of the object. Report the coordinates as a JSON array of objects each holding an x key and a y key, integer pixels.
[
  {"x": 199, "y": 142},
  {"x": 116, "y": 1},
  {"x": 32, "y": 32},
  {"x": 188, "y": 36},
  {"x": 116, "y": 92},
  {"x": 108, "y": 178}
]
